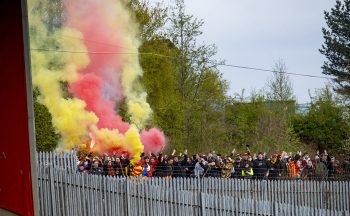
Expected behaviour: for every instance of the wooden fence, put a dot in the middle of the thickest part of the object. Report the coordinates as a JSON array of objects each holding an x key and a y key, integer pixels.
[{"x": 62, "y": 191}]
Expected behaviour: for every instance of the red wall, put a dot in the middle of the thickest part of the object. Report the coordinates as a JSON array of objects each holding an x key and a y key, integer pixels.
[{"x": 15, "y": 174}]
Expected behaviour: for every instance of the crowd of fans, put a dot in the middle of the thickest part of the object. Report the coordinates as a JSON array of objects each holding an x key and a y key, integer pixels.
[{"x": 246, "y": 165}]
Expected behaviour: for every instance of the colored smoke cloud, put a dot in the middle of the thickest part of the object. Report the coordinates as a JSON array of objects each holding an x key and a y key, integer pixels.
[
  {"x": 94, "y": 51},
  {"x": 153, "y": 140}
]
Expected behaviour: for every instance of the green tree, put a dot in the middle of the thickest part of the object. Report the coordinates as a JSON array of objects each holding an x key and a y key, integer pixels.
[
  {"x": 160, "y": 70},
  {"x": 265, "y": 120},
  {"x": 193, "y": 59},
  {"x": 326, "y": 124},
  {"x": 336, "y": 47},
  {"x": 193, "y": 63},
  {"x": 151, "y": 19},
  {"x": 160, "y": 82},
  {"x": 206, "y": 127},
  {"x": 241, "y": 118},
  {"x": 275, "y": 123},
  {"x": 279, "y": 87},
  {"x": 46, "y": 136},
  {"x": 259, "y": 123},
  {"x": 52, "y": 15}
]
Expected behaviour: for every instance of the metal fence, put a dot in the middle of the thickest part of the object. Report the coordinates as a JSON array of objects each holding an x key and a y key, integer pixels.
[
  {"x": 62, "y": 161},
  {"x": 62, "y": 191}
]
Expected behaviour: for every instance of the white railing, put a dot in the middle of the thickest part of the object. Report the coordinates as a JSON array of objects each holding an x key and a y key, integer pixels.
[{"x": 62, "y": 191}]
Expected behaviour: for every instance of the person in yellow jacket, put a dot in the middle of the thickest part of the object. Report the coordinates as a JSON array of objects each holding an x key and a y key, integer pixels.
[
  {"x": 226, "y": 168},
  {"x": 247, "y": 166},
  {"x": 247, "y": 172}
]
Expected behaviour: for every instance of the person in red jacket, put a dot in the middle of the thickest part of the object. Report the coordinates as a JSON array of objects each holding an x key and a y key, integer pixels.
[
  {"x": 298, "y": 169},
  {"x": 154, "y": 163},
  {"x": 291, "y": 168}
]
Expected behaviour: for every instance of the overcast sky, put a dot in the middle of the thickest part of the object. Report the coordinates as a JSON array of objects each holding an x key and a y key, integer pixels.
[{"x": 256, "y": 33}]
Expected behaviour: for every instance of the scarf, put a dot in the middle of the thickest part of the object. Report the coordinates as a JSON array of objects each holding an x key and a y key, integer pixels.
[{"x": 273, "y": 161}]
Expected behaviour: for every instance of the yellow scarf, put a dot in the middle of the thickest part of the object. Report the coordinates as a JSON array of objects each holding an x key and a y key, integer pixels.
[{"x": 273, "y": 161}]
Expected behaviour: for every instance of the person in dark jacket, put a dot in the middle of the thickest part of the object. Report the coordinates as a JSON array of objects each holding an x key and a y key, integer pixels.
[
  {"x": 110, "y": 169},
  {"x": 87, "y": 165},
  {"x": 189, "y": 167},
  {"x": 160, "y": 167},
  {"x": 321, "y": 170},
  {"x": 309, "y": 170},
  {"x": 284, "y": 158},
  {"x": 213, "y": 169},
  {"x": 96, "y": 170},
  {"x": 168, "y": 169},
  {"x": 275, "y": 167},
  {"x": 81, "y": 168},
  {"x": 237, "y": 167},
  {"x": 260, "y": 167},
  {"x": 177, "y": 168},
  {"x": 118, "y": 167},
  {"x": 332, "y": 168},
  {"x": 346, "y": 167},
  {"x": 124, "y": 159}
]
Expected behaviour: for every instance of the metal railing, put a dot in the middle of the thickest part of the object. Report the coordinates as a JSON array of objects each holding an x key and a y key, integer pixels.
[
  {"x": 69, "y": 162},
  {"x": 62, "y": 191}
]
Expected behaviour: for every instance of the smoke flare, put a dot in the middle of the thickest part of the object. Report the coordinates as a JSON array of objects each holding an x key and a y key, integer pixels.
[{"x": 101, "y": 68}]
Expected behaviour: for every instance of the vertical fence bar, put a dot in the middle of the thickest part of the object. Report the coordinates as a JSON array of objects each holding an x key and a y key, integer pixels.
[
  {"x": 127, "y": 195},
  {"x": 202, "y": 203},
  {"x": 52, "y": 189}
]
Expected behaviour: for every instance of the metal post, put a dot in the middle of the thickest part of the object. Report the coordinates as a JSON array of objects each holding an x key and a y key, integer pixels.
[
  {"x": 127, "y": 196},
  {"x": 202, "y": 203},
  {"x": 52, "y": 187}
]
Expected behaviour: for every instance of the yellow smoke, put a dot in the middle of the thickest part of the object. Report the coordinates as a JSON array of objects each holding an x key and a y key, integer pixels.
[
  {"x": 123, "y": 23},
  {"x": 112, "y": 139},
  {"x": 50, "y": 68}
]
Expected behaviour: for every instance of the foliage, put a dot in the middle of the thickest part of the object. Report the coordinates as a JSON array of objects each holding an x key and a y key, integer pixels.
[
  {"x": 200, "y": 85},
  {"x": 46, "y": 136},
  {"x": 188, "y": 93},
  {"x": 336, "y": 47},
  {"x": 326, "y": 124},
  {"x": 160, "y": 82},
  {"x": 279, "y": 87},
  {"x": 151, "y": 19},
  {"x": 205, "y": 126},
  {"x": 262, "y": 124}
]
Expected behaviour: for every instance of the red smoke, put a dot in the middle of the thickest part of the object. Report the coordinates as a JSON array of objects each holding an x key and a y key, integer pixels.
[
  {"x": 153, "y": 140},
  {"x": 88, "y": 88},
  {"x": 99, "y": 84}
]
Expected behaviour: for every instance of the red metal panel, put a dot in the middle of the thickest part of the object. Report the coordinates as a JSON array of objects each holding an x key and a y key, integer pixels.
[{"x": 15, "y": 175}]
